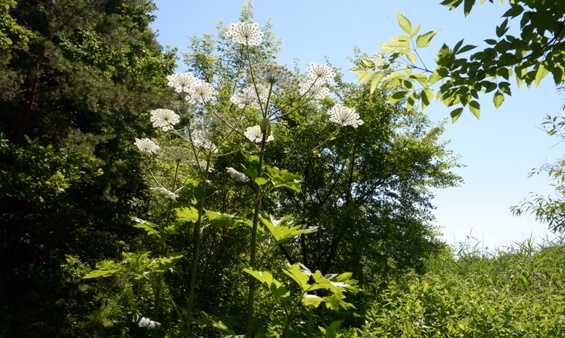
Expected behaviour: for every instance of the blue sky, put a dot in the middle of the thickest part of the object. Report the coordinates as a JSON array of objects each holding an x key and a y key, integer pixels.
[{"x": 499, "y": 149}]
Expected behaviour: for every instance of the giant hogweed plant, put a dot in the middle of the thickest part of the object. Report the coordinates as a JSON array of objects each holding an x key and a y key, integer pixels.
[{"x": 192, "y": 136}]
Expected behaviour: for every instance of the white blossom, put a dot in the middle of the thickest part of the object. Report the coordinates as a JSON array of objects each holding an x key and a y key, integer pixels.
[
  {"x": 254, "y": 134},
  {"x": 245, "y": 33},
  {"x": 146, "y": 145},
  {"x": 237, "y": 175},
  {"x": 320, "y": 74},
  {"x": 182, "y": 83},
  {"x": 164, "y": 119},
  {"x": 166, "y": 192},
  {"x": 344, "y": 116},
  {"x": 314, "y": 90},
  {"x": 148, "y": 323},
  {"x": 203, "y": 139},
  {"x": 273, "y": 73},
  {"x": 202, "y": 92},
  {"x": 250, "y": 96}
]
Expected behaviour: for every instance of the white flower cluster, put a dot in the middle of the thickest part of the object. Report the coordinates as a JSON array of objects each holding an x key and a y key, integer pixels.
[
  {"x": 166, "y": 192},
  {"x": 181, "y": 82},
  {"x": 199, "y": 91},
  {"x": 317, "y": 78},
  {"x": 250, "y": 96},
  {"x": 203, "y": 139},
  {"x": 273, "y": 73},
  {"x": 148, "y": 323},
  {"x": 164, "y": 119},
  {"x": 237, "y": 175},
  {"x": 344, "y": 116},
  {"x": 245, "y": 33},
  {"x": 254, "y": 134},
  {"x": 202, "y": 92},
  {"x": 146, "y": 145}
]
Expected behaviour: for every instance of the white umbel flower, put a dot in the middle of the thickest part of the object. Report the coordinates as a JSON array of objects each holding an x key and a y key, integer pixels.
[
  {"x": 148, "y": 323},
  {"x": 250, "y": 96},
  {"x": 202, "y": 91},
  {"x": 344, "y": 116},
  {"x": 203, "y": 139},
  {"x": 245, "y": 33},
  {"x": 237, "y": 175},
  {"x": 166, "y": 193},
  {"x": 146, "y": 145},
  {"x": 313, "y": 90},
  {"x": 254, "y": 134},
  {"x": 182, "y": 83},
  {"x": 320, "y": 74},
  {"x": 164, "y": 119}
]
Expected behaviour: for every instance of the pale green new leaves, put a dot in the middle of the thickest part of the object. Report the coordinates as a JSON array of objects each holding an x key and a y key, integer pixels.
[
  {"x": 284, "y": 229},
  {"x": 137, "y": 265},
  {"x": 308, "y": 282}
]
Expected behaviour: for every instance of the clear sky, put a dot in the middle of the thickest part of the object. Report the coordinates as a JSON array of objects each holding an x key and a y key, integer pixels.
[{"x": 499, "y": 149}]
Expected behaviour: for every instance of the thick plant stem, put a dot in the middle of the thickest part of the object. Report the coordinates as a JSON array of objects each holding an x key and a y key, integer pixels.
[
  {"x": 196, "y": 255},
  {"x": 253, "y": 249}
]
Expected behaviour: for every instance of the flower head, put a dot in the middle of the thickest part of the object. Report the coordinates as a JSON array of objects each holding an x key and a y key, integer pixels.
[
  {"x": 237, "y": 175},
  {"x": 202, "y": 92},
  {"x": 321, "y": 74},
  {"x": 182, "y": 83},
  {"x": 344, "y": 116},
  {"x": 203, "y": 139},
  {"x": 164, "y": 119},
  {"x": 250, "y": 96},
  {"x": 146, "y": 145},
  {"x": 254, "y": 134},
  {"x": 148, "y": 323},
  {"x": 313, "y": 90},
  {"x": 166, "y": 192},
  {"x": 274, "y": 73},
  {"x": 245, "y": 33}
]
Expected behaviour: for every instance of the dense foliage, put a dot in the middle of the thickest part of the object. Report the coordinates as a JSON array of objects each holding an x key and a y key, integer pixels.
[
  {"x": 239, "y": 198},
  {"x": 462, "y": 77},
  {"x": 76, "y": 75}
]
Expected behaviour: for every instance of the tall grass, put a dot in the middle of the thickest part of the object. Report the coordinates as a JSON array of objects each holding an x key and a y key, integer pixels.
[{"x": 467, "y": 292}]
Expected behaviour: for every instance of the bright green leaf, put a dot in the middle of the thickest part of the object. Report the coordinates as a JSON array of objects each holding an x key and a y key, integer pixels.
[
  {"x": 404, "y": 23},
  {"x": 424, "y": 39},
  {"x": 498, "y": 98},
  {"x": 455, "y": 114},
  {"x": 475, "y": 108}
]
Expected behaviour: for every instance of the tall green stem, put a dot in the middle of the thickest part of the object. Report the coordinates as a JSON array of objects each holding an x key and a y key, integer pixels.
[
  {"x": 253, "y": 249},
  {"x": 196, "y": 254}
]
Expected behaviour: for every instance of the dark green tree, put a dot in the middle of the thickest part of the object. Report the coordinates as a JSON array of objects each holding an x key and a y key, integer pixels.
[{"x": 79, "y": 74}]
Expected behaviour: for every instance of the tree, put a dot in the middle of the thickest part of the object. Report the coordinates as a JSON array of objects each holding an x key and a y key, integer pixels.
[
  {"x": 463, "y": 77},
  {"x": 79, "y": 74}
]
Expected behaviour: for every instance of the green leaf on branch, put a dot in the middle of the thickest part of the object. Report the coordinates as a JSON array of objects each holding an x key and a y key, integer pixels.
[
  {"x": 261, "y": 180},
  {"x": 283, "y": 229},
  {"x": 300, "y": 274},
  {"x": 475, "y": 108},
  {"x": 424, "y": 39},
  {"x": 376, "y": 80},
  {"x": 404, "y": 23},
  {"x": 455, "y": 114},
  {"x": 222, "y": 220},
  {"x": 149, "y": 227},
  {"x": 106, "y": 268},
  {"x": 268, "y": 280},
  {"x": 284, "y": 178},
  {"x": 189, "y": 214},
  {"x": 312, "y": 300},
  {"x": 498, "y": 98},
  {"x": 541, "y": 72}
]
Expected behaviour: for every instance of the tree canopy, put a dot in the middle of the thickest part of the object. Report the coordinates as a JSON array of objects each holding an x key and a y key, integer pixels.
[{"x": 463, "y": 73}]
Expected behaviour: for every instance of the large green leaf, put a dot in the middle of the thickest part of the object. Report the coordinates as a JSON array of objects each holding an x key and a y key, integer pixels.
[{"x": 404, "y": 23}]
